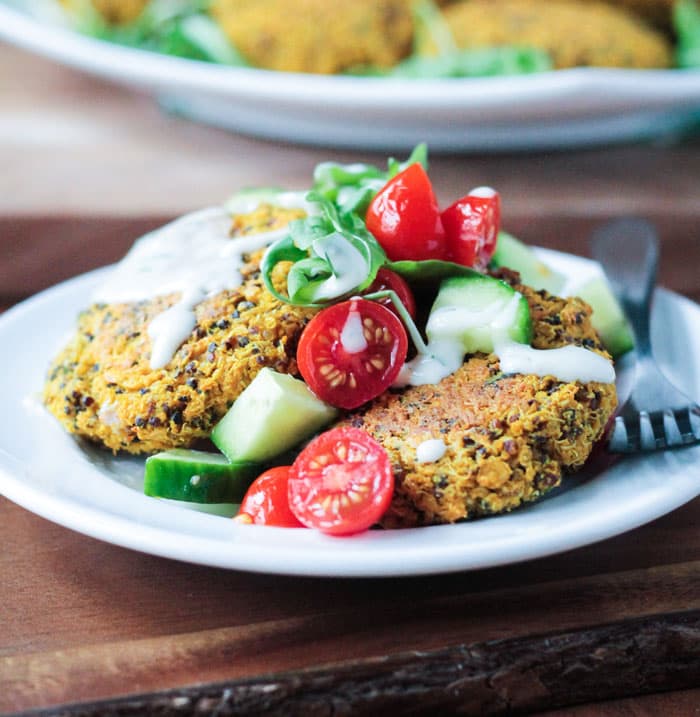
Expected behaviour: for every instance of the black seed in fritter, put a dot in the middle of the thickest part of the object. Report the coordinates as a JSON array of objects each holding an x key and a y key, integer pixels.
[
  {"x": 223, "y": 324},
  {"x": 95, "y": 367},
  {"x": 200, "y": 333},
  {"x": 245, "y": 305},
  {"x": 154, "y": 421},
  {"x": 177, "y": 418},
  {"x": 260, "y": 360},
  {"x": 243, "y": 341},
  {"x": 118, "y": 390},
  {"x": 578, "y": 317},
  {"x": 191, "y": 367},
  {"x": 235, "y": 314},
  {"x": 183, "y": 399},
  {"x": 553, "y": 320},
  {"x": 144, "y": 390},
  {"x": 192, "y": 382},
  {"x": 255, "y": 350},
  {"x": 589, "y": 343},
  {"x": 212, "y": 346},
  {"x": 467, "y": 441},
  {"x": 510, "y": 447},
  {"x": 139, "y": 422},
  {"x": 88, "y": 401},
  {"x": 357, "y": 421}
]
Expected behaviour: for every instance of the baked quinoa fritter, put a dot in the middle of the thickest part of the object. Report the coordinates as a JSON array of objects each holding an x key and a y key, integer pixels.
[
  {"x": 509, "y": 439},
  {"x": 101, "y": 386},
  {"x": 573, "y": 33},
  {"x": 316, "y": 35}
]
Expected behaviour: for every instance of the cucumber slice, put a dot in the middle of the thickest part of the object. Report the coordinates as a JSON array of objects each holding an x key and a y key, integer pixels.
[
  {"x": 514, "y": 254},
  {"x": 476, "y": 310},
  {"x": 275, "y": 413},
  {"x": 608, "y": 318},
  {"x": 197, "y": 477}
]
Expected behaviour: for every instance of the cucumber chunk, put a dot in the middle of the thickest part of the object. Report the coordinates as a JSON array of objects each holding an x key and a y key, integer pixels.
[
  {"x": 514, "y": 254},
  {"x": 197, "y": 476},
  {"x": 477, "y": 310},
  {"x": 274, "y": 413},
  {"x": 608, "y": 318}
]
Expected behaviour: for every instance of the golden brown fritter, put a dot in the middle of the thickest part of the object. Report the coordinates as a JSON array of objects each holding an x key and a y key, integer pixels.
[
  {"x": 509, "y": 438},
  {"x": 573, "y": 33},
  {"x": 317, "y": 35},
  {"x": 101, "y": 386}
]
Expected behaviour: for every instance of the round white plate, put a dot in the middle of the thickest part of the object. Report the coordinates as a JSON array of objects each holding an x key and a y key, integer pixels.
[
  {"x": 566, "y": 108},
  {"x": 48, "y": 472}
]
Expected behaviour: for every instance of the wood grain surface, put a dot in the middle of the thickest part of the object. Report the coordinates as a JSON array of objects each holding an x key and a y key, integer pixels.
[{"x": 87, "y": 168}]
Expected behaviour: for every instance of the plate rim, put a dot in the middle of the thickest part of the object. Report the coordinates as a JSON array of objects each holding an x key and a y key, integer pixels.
[{"x": 322, "y": 556}]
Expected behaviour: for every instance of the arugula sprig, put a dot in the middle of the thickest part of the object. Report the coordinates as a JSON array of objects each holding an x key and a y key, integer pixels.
[
  {"x": 351, "y": 186},
  {"x": 182, "y": 28},
  {"x": 334, "y": 256},
  {"x": 686, "y": 23}
]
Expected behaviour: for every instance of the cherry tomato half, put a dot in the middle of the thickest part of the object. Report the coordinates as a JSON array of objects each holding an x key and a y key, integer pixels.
[
  {"x": 471, "y": 225},
  {"x": 405, "y": 219},
  {"x": 390, "y": 280},
  {"x": 351, "y": 352},
  {"x": 342, "y": 482},
  {"x": 266, "y": 502}
]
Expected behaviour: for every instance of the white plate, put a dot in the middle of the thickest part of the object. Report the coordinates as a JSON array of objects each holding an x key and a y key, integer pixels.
[
  {"x": 55, "y": 476},
  {"x": 554, "y": 109}
]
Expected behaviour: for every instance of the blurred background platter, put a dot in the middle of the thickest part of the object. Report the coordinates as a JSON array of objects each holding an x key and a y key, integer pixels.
[{"x": 553, "y": 109}]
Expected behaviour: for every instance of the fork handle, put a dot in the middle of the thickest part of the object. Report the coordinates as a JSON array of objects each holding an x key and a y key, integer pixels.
[{"x": 628, "y": 250}]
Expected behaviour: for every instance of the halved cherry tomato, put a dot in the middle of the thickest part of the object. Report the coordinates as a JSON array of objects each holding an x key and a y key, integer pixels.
[
  {"x": 390, "y": 280},
  {"x": 351, "y": 352},
  {"x": 266, "y": 502},
  {"x": 471, "y": 225},
  {"x": 342, "y": 482},
  {"x": 405, "y": 219}
]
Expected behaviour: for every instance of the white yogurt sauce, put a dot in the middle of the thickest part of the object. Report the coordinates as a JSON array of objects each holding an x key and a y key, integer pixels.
[
  {"x": 430, "y": 451},
  {"x": 349, "y": 266},
  {"x": 352, "y": 335},
  {"x": 193, "y": 256},
  {"x": 446, "y": 351},
  {"x": 568, "y": 363}
]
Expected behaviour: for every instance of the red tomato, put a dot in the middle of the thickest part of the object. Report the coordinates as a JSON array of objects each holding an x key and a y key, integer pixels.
[
  {"x": 405, "y": 219},
  {"x": 351, "y": 352},
  {"x": 471, "y": 225},
  {"x": 390, "y": 280},
  {"x": 266, "y": 501},
  {"x": 342, "y": 482}
]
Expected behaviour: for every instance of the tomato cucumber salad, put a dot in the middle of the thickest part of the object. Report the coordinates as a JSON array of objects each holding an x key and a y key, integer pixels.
[{"x": 402, "y": 293}]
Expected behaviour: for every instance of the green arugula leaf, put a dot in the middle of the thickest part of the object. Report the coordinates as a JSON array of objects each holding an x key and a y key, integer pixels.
[
  {"x": 430, "y": 270},
  {"x": 686, "y": 22},
  {"x": 351, "y": 187},
  {"x": 334, "y": 256}
]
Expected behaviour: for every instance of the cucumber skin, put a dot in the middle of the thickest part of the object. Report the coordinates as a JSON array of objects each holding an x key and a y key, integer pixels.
[
  {"x": 455, "y": 292},
  {"x": 219, "y": 482}
]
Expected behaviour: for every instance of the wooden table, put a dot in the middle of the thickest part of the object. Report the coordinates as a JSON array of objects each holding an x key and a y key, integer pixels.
[{"x": 86, "y": 168}]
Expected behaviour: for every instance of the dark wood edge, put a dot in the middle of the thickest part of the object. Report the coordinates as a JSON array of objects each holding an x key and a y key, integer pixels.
[{"x": 511, "y": 676}]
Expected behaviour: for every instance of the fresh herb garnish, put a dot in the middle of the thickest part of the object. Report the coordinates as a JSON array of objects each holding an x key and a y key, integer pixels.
[
  {"x": 351, "y": 186},
  {"x": 686, "y": 22},
  {"x": 172, "y": 27},
  {"x": 334, "y": 256}
]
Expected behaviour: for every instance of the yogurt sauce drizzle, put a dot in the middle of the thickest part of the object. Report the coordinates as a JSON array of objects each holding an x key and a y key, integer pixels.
[
  {"x": 193, "y": 256},
  {"x": 446, "y": 353}
]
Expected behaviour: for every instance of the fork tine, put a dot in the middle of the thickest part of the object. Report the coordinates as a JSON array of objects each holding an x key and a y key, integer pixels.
[
  {"x": 685, "y": 427},
  {"x": 659, "y": 437},
  {"x": 633, "y": 433}
]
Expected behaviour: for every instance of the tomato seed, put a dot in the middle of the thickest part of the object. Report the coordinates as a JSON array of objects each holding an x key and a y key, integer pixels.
[{"x": 377, "y": 362}]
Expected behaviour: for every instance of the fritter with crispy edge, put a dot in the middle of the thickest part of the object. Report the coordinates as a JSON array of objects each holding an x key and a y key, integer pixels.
[
  {"x": 317, "y": 36},
  {"x": 101, "y": 386},
  {"x": 509, "y": 439},
  {"x": 573, "y": 33}
]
